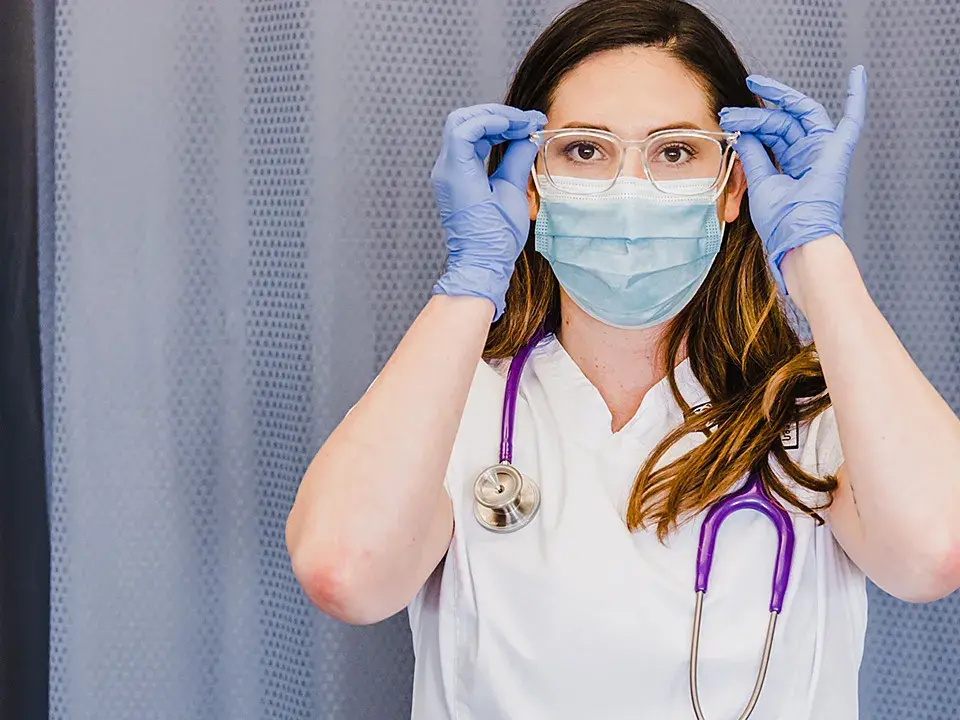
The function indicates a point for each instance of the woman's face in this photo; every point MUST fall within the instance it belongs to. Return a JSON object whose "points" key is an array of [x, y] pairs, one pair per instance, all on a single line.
{"points": [[633, 92]]}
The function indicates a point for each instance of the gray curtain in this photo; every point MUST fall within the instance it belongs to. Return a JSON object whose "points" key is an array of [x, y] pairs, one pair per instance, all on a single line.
{"points": [[236, 229]]}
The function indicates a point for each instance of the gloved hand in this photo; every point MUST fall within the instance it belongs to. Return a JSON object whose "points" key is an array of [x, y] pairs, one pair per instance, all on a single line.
{"points": [[486, 219], [805, 201]]}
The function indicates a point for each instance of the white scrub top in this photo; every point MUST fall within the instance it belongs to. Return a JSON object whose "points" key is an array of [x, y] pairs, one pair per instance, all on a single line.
{"points": [[575, 618]]}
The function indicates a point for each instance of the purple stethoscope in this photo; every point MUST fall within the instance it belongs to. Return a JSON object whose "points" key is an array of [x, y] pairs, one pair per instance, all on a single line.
{"points": [[506, 501]]}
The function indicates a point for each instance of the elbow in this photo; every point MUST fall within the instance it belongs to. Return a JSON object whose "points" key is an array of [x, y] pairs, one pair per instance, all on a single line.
{"points": [[946, 572], [943, 559], [333, 584], [333, 578], [330, 589], [935, 572]]}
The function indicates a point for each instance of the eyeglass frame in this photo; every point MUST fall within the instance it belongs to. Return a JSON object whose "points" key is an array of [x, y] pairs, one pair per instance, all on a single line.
{"points": [[543, 137]]}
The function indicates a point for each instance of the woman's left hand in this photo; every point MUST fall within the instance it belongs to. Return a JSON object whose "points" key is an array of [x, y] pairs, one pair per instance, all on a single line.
{"points": [[804, 202]]}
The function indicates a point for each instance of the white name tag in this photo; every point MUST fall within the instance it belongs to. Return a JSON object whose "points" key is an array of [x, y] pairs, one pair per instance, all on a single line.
{"points": [[790, 436], [700, 408], [697, 409]]}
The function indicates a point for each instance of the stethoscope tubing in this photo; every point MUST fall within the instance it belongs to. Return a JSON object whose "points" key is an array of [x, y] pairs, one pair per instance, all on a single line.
{"points": [[512, 513]]}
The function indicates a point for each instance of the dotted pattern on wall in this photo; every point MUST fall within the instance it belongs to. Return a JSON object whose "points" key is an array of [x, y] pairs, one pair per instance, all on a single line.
{"points": [[278, 138], [524, 21], [407, 65], [147, 479], [60, 585], [911, 263], [799, 43], [191, 352]]}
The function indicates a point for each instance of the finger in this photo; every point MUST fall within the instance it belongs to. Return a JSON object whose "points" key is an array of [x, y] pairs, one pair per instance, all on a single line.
{"points": [[517, 162], [762, 121], [482, 148], [488, 129], [522, 132], [757, 165], [460, 116], [781, 149], [856, 108], [810, 113]]}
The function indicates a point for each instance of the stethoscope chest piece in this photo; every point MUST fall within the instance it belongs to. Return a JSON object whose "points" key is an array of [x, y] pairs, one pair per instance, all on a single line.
{"points": [[505, 500]]}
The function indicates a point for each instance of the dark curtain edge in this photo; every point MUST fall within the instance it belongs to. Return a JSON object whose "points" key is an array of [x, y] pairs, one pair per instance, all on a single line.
{"points": [[24, 524]]}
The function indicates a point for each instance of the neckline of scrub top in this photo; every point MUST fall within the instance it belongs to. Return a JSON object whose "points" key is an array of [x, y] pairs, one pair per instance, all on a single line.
{"points": [[571, 393]]}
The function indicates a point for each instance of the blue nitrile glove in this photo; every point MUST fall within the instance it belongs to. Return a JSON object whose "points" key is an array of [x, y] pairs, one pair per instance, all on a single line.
{"points": [[486, 219], [805, 201]]}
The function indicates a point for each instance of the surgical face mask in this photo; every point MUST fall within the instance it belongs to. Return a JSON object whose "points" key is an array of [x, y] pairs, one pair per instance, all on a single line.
{"points": [[632, 256]]}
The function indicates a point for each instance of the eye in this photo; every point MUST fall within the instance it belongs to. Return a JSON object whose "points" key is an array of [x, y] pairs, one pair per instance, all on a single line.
{"points": [[675, 154], [581, 151]]}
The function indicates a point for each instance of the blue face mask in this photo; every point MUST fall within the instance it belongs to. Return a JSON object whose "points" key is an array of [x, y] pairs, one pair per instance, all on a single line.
{"points": [[631, 256]]}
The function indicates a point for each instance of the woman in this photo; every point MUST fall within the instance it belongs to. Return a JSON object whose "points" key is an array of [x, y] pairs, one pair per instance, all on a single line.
{"points": [[667, 377]]}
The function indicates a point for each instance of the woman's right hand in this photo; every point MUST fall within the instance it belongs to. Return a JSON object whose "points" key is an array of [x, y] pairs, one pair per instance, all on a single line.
{"points": [[486, 219]]}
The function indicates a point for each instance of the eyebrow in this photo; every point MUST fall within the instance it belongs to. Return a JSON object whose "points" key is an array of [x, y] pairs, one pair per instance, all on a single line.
{"points": [[604, 128]]}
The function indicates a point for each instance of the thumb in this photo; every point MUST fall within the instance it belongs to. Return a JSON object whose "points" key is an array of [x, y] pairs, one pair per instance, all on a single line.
{"points": [[517, 162], [856, 109], [753, 156]]}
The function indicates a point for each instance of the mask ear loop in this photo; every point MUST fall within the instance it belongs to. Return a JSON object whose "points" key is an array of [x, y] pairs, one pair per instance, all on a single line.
{"points": [[536, 180]]}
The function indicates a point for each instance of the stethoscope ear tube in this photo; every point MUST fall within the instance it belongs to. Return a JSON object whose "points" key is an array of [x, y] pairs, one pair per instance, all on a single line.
{"points": [[694, 661], [752, 496]]}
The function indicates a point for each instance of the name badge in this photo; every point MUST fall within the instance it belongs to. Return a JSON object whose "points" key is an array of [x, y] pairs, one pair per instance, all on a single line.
{"points": [[697, 409], [790, 437]]}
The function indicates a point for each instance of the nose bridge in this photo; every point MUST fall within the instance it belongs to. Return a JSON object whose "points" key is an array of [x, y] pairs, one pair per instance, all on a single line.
{"points": [[633, 161]]}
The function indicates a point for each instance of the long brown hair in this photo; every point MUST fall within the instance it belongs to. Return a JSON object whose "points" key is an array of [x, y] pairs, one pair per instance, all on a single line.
{"points": [[742, 349]]}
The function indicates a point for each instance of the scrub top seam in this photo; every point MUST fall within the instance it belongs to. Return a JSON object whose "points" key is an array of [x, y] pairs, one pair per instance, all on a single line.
{"points": [[456, 629]]}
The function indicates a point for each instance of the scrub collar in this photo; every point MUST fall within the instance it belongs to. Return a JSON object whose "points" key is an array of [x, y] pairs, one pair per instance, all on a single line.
{"points": [[580, 406]]}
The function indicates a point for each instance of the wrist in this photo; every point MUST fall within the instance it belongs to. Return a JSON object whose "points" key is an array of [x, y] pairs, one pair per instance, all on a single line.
{"points": [[470, 307], [812, 262], [476, 281]]}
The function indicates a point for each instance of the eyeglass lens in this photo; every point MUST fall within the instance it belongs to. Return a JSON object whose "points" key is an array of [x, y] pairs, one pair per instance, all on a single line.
{"points": [[669, 158]]}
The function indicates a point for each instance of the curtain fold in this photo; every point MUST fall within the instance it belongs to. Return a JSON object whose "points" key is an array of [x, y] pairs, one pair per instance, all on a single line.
{"points": [[24, 538]]}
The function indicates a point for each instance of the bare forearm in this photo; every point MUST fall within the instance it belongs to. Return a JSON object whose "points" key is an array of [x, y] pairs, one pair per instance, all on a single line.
{"points": [[901, 440], [368, 497]]}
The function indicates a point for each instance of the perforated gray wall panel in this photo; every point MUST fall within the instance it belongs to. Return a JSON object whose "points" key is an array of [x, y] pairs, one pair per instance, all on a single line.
{"points": [[244, 229], [911, 262]]}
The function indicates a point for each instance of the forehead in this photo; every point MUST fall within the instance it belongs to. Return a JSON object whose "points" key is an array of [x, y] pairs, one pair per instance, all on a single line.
{"points": [[631, 91]]}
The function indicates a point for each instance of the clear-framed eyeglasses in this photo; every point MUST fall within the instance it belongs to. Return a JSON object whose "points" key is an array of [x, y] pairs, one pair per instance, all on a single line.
{"points": [[676, 162]]}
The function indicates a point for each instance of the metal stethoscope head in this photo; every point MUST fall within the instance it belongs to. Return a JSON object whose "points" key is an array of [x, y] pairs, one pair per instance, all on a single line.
{"points": [[505, 500]]}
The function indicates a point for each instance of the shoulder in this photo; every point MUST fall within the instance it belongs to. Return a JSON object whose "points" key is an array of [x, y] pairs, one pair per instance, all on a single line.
{"points": [[823, 443], [486, 392]]}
